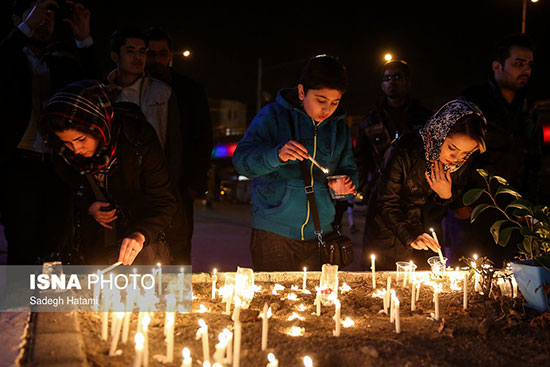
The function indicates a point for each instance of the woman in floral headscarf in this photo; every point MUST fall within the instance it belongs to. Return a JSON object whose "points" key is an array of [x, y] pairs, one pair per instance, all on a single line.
{"points": [[119, 196], [421, 170]]}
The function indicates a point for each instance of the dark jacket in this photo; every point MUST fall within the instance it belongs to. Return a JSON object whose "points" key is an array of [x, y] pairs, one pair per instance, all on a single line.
{"points": [[278, 194], [396, 207], [138, 184], [16, 84], [376, 132], [514, 138], [192, 139]]}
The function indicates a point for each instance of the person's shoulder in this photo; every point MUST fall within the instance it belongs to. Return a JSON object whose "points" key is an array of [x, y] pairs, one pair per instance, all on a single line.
{"points": [[158, 87], [133, 124]]}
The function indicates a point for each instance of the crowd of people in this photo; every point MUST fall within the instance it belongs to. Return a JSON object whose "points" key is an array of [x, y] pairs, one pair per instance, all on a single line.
{"points": [[105, 168]]}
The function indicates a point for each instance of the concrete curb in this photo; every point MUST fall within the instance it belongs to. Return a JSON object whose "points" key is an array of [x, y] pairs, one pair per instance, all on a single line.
{"points": [[53, 339]]}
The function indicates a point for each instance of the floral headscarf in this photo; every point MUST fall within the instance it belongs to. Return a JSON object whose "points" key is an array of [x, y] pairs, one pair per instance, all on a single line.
{"points": [[85, 105], [438, 126]]}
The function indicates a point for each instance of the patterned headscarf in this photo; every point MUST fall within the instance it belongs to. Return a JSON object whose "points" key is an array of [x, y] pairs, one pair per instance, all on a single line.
{"points": [[438, 126], [86, 106]]}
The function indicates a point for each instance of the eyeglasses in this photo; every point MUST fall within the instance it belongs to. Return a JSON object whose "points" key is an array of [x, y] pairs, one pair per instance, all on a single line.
{"points": [[387, 78]]}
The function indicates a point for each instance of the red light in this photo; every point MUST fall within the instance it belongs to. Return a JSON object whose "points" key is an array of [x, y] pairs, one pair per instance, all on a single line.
{"points": [[546, 134]]}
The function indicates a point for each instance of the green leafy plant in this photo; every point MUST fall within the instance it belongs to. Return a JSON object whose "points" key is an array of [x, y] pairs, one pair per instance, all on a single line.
{"points": [[532, 221]]}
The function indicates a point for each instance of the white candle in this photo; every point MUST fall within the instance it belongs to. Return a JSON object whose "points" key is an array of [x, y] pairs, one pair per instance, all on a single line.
{"points": [[130, 299], [265, 315], [144, 326], [436, 302], [337, 318], [273, 362], [202, 332], [186, 358], [139, 339], [304, 280], [214, 280], [465, 297], [392, 305], [229, 348], [514, 287], [169, 333], [180, 284], [117, 326], [397, 319], [439, 249], [418, 290], [388, 294], [237, 333], [318, 303], [219, 354], [107, 299], [159, 273], [373, 270]]}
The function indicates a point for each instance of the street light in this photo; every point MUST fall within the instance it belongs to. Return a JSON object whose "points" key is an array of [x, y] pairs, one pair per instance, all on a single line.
{"points": [[524, 15], [388, 57], [186, 53]]}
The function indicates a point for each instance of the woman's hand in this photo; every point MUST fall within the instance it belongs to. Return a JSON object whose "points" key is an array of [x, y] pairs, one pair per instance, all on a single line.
{"points": [[292, 151], [102, 217], [425, 242], [440, 181], [342, 186], [130, 248]]}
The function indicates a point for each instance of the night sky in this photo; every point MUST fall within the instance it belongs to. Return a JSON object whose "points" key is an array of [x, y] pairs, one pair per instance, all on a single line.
{"points": [[447, 44]]}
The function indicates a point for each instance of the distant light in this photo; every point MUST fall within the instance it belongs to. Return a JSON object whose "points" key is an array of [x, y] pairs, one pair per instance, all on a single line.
{"points": [[546, 134], [388, 57], [186, 53], [534, 1]]}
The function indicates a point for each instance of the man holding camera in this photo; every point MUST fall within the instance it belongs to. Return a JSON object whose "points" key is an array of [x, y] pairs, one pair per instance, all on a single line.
{"points": [[32, 68]]}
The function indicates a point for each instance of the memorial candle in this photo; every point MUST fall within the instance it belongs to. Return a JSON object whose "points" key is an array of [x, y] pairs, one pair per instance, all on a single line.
{"points": [[139, 339], [180, 284], [144, 327], [337, 318], [413, 297], [186, 358], [465, 296], [388, 294], [265, 315], [237, 333], [304, 280], [214, 280], [439, 248], [436, 302], [117, 326], [169, 326], [202, 332], [373, 270], [397, 318], [219, 354]]}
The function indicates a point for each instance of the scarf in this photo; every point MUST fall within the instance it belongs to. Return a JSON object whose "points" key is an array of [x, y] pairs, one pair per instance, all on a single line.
{"points": [[437, 128], [86, 106]]}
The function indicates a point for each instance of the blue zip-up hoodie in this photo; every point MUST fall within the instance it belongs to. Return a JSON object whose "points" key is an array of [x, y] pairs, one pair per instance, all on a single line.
{"points": [[278, 195]]}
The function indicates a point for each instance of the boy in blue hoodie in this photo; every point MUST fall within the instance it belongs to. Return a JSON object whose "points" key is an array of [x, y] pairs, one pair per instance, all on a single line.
{"points": [[283, 236]]}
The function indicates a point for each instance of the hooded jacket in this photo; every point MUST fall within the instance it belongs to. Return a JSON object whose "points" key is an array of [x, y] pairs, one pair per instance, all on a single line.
{"points": [[279, 200]]}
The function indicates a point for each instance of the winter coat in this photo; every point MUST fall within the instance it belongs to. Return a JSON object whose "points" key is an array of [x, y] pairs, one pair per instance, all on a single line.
{"points": [[279, 200]]}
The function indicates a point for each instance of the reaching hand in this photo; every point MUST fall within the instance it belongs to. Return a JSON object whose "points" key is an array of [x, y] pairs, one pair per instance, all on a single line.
{"points": [[292, 151], [440, 180], [80, 21], [425, 242], [130, 248], [102, 217]]}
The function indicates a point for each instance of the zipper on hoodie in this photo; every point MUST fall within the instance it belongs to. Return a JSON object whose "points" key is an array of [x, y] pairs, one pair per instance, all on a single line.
{"points": [[315, 131]]}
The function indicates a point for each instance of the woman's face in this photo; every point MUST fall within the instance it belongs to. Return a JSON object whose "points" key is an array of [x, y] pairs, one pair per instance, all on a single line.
{"points": [[456, 147], [319, 104], [80, 143]]}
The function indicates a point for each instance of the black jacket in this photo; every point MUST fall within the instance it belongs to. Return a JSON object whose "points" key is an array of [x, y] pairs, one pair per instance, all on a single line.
{"points": [[395, 212], [138, 185], [16, 84]]}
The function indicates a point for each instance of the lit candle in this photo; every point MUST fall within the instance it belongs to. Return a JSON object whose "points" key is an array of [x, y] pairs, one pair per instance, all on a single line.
{"points": [[439, 249], [180, 284], [308, 362], [214, 280], [237, 333], [169, 322], [392, 305], [388, 294], [273, 362], [130, 299], [373, 270], [337, 318], [219, 354], [397, 319], [265, 315], [144, 326], [117, 326], [186, 355], [229, 348], [139, 339], [203, 332], [418, 290], [304, 280], [465, 286], [317, 303], [436, 302], [413, 298]]}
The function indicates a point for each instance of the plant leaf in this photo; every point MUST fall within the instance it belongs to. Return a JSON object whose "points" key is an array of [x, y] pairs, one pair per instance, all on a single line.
{"points": [[527, 232], [495, 229], [520, 213], [544, 260], [477, 211], [482, 172], [506, 189], [471, 196], [505, 235], [521, 204], [500, 180]]}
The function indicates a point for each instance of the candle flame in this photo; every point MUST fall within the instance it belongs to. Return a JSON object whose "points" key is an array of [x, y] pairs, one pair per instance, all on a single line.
{"points": [[296, 331], [140, 340], [347, 322], [202, 324], [308, 362], [145, 321], [185, 353], [271, 357], [202, 309], [345, 288], [301, 307], [295, 316]]}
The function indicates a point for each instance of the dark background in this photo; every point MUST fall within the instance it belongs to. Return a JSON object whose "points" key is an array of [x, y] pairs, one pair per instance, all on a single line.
{"points": [[447, 44]]}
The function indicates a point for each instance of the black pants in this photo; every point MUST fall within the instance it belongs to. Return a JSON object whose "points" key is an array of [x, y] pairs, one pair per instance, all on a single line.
{"points": [[272, 252]]}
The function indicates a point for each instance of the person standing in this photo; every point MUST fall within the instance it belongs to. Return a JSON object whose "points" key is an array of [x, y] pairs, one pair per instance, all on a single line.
{"points": [[31, 71], [514, 146], [193, 134], [304, 122]]}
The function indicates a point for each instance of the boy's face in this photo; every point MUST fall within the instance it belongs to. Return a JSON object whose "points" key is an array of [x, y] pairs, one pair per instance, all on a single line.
{"points": [[319, 104], [131, 58]]}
